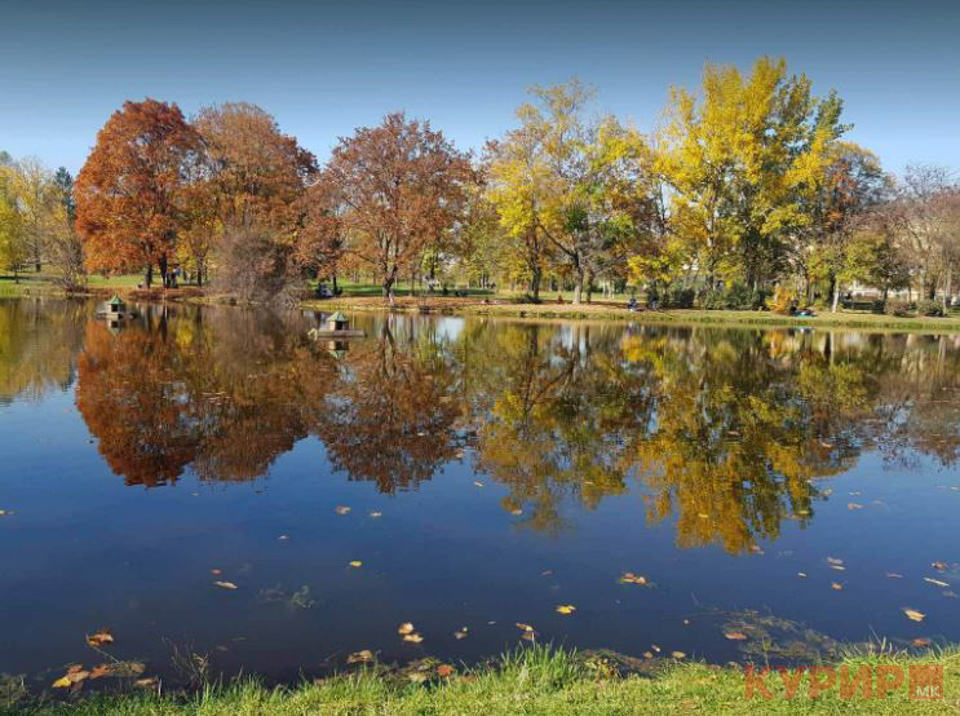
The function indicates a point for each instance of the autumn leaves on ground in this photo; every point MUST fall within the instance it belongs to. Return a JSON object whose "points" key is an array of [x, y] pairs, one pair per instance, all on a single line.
{"points": [[748, 198]]}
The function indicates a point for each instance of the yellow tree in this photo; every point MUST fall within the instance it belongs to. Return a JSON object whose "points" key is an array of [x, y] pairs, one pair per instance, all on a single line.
{"points": [[738, 158]]}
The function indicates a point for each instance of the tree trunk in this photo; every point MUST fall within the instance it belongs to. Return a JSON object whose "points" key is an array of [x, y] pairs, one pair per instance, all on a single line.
{"points": [[589, 287], [535, 285], [388, 281], [578, 288], [836, 296], [148, 276], [333, 280], [948, 290]]}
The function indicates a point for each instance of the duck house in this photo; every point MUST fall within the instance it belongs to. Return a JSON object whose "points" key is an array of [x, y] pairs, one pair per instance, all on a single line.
{"points": [[337, 326], [115, 310]]}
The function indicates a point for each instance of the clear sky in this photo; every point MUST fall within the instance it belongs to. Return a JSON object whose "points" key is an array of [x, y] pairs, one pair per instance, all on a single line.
{"points": [[325, 68]]}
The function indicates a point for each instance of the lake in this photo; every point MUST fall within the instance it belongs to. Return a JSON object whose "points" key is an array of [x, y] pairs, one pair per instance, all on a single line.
{"points": [[729, 494]]}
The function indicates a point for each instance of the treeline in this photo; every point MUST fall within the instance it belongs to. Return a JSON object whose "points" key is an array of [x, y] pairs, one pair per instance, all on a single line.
{"points": [[746, 196]]}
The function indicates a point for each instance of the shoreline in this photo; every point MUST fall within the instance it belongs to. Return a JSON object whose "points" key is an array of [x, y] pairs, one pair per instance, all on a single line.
{"points": [[545, 680], [605, 311]]}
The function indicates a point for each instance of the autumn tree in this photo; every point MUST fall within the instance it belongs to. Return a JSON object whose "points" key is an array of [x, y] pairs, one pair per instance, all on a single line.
{"points": [[738, 158], [129, 192], [321, 241], [12, 246], [401, 185], [254, 172]]}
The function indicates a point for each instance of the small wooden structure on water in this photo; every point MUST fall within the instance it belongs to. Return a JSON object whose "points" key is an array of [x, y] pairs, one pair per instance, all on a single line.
{"points": [[115, 310], [337, 326]]}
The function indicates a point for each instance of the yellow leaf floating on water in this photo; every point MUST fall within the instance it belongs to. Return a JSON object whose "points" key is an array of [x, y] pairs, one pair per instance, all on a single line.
{"points": [[566, 609], [356, 563], [225, 585], [342, 509], [854, 506], [735, 635], [63, 682], [376, 514], [648, 655], [631, 578], [677, 654], [462, 634], [836, 585], [405, 628], [914, 616], [921, 642], [100, 638], [414, 637], [524, 627], [360, 657]]}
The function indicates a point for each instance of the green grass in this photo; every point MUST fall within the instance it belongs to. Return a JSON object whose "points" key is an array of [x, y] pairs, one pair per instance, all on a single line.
{"points": [[536, 680]]}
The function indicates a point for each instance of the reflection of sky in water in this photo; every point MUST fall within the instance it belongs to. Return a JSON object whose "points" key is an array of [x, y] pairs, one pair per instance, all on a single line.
{"points": [[718, 464]]}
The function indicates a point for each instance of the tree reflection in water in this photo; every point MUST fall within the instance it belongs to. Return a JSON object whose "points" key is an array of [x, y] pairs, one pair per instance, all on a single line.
{"points": [[726, 432]]}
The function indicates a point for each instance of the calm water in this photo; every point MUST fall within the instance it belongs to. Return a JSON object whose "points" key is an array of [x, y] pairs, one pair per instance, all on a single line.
{"points": [[515, 467]]}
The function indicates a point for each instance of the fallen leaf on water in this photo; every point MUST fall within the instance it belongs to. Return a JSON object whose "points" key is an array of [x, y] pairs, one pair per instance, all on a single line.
{"points": [[100, 638], [894, 575], [6, 513], [415, 638], [648, 655], [342, 509], [478, 483], [546, 573], [225, 585], [802, 574], [516, 513], [417, 677], [677, 654], [462, 634], [566, 609], [834, 560], [216, 572], [936, 582], [920, 641], [148, 683], [524, 627], [914, 616], [939, 566], [735, 635], [99, 672], [376, 514], [63, 682], [836, 585], [686, 622], [631, 578], [360, 657], [854, 506], [405, 628], [356, 563], [444, 670], [283, 538], [655, 648], [529, 635], [838, 567]]}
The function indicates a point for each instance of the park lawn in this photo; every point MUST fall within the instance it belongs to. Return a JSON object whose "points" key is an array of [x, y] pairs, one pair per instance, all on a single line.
{"points": [[536, 680]]}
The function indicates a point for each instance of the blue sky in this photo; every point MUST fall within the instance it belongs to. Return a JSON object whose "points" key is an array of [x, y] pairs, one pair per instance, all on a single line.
{"points": [[325, 68]]}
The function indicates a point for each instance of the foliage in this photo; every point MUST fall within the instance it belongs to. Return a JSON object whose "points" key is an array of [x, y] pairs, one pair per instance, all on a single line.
{"points": [[930, 307], [896, 307], [735, 297], [129, 192], [255, 265], [401, 184], [783, 301]]}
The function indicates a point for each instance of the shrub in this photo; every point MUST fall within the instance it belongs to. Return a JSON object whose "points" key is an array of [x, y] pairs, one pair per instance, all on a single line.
{"points": [[255, 266], [879, 306], [737, 298], [896, 307], [783, 301], [930, 307], [678, 297]]}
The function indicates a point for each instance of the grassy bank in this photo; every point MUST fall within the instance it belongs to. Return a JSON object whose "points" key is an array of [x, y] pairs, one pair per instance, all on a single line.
{"points": [[535, 681], [363, 297], [603, 311]]}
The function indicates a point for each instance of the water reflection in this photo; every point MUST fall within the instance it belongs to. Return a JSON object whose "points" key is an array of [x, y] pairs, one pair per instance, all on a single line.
{"points": [[727, 433]]}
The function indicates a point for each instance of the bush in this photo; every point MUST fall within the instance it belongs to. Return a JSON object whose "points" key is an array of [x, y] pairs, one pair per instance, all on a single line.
{"points": [[896, 307], [879, 306], [735, 298], [678, 297], [930, 307], [783, 301], [255, 266]]}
